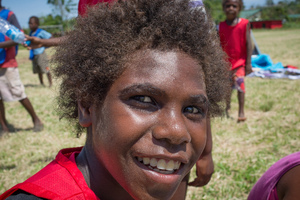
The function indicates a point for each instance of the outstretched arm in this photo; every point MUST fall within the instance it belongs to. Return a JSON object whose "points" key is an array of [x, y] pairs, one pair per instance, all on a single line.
{"points": [[7, 44], [205, 164], [38, 42]]}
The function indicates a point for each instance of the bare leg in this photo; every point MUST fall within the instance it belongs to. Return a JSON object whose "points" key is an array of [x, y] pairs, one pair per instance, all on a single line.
{"points": [[2, 117], [182, 189], [49, 78], [38, 125], [241, 99], [228, 101], [41, 78]]}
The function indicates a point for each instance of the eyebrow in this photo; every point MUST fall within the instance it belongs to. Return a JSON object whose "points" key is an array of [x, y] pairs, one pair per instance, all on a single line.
{"points": [[201, 98], [145, 87]]}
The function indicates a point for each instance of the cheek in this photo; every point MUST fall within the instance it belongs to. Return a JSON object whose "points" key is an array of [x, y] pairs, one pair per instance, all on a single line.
{"points": [[121, 124], [199, 137]]}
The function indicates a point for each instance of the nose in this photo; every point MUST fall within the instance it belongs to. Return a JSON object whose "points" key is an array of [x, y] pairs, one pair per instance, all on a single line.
{"points": [[172, 128]]}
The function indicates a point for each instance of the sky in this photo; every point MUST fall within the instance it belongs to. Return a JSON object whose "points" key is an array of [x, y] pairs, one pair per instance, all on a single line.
{"points": [[26, 8]]}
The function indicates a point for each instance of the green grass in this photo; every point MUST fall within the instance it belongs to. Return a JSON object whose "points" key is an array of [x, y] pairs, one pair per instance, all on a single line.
{"points": [[242, 151]]}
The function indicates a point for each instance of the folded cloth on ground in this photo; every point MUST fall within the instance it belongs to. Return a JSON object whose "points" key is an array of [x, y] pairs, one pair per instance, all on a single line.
{"points": [[264, 62], [277, 73]]}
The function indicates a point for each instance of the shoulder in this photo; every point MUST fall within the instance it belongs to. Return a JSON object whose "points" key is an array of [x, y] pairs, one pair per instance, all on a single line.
{"points": [[276, 173], [222, 25], [244, 21], [289, 184], [44, 34]]}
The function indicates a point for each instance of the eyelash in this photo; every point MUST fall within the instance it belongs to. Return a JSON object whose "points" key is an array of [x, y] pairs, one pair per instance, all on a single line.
{"points": [[143, 99], [140, 97]]}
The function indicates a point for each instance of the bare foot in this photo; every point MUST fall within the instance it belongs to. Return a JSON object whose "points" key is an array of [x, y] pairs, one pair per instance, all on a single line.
{"points": [[38, 126], [241, 119]]}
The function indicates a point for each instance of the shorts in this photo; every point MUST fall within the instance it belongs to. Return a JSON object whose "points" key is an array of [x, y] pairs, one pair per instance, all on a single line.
{"points": [[40, 64], [11, 87], [238, 79]]}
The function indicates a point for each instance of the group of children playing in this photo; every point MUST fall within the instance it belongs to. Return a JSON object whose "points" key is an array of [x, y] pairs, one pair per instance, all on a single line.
{"points": [[122, 81]]}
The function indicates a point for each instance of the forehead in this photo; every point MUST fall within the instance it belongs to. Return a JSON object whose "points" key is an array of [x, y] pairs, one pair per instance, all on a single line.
{"points": [[32, 20], [158, 67]]}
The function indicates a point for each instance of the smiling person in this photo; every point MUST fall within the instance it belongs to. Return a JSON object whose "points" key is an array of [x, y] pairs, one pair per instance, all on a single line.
{"points": [[204, 166], [142, 79]]}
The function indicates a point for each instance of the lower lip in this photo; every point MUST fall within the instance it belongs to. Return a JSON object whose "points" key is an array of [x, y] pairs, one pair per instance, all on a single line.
{"points": [[158, 177]]}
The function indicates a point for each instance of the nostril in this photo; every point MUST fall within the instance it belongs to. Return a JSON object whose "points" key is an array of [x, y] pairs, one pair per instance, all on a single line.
{"points": [[173, 134]]}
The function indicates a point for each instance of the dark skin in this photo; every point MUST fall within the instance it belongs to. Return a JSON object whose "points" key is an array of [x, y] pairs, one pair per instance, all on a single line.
{"points": [[33, 25], [232, 9], [289, 184], [38, 42], [204, 166], [170, 129]]}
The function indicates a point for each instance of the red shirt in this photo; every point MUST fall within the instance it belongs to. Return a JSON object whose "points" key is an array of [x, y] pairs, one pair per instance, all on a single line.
{"points": [[84, 3], [10, 59], [233, 41], [60, 179]]}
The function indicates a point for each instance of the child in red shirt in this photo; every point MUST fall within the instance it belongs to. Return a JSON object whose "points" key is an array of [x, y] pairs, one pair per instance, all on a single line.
{"points": [[236, 42]]}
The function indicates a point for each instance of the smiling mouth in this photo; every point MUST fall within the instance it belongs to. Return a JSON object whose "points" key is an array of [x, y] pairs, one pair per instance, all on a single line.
{"points": [[160, 165]]}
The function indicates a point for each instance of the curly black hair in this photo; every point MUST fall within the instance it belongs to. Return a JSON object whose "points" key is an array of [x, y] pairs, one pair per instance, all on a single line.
{"points": [[241, 4], [94, 54], [36, 19]]}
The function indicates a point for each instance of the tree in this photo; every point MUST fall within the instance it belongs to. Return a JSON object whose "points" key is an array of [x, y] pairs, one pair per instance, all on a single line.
{"points": [[269, 3], [214, 8], [63, 7]]}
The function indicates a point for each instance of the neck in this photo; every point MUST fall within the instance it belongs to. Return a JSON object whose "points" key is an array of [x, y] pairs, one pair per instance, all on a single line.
{"points": [[233, 21]]}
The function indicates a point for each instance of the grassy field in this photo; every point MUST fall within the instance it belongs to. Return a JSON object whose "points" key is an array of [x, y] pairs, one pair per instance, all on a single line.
{"points": [[242, 152]]}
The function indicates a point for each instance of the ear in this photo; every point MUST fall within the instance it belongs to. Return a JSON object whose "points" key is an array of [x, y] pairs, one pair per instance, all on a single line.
{"points": [[84, 115]]}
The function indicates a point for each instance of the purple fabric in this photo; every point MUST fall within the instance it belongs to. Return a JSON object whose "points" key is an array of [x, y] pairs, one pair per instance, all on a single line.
{"points": [[263, 188], [196, 3]]}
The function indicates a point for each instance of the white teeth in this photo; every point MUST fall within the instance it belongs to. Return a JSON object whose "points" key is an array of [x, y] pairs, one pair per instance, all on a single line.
{"points": [[170, 165], [153, 162], [160, 165], [177, 165], [146, 161]]}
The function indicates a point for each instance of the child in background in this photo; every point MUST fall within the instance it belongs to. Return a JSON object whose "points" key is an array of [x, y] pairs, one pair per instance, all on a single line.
{"points": [[38, 56], [280, 181], [143, 86], [236, 42], [11, 86]]}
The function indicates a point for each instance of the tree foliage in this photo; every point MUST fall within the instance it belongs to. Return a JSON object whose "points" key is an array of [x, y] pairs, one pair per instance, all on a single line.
{"points": [[63, 7], [281, 11], [214, 8]]}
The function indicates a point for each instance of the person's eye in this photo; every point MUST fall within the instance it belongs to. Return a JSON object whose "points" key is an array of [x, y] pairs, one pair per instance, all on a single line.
{"points": [[192, 110], [143, 99]]}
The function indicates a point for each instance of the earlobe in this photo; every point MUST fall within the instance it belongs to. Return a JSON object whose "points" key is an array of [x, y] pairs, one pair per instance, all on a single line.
{"points": [[84, 115]]}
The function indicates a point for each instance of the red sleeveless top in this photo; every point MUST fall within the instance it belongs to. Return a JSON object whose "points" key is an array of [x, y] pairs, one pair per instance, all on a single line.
{"points": [[233, 41], [60, 179]]}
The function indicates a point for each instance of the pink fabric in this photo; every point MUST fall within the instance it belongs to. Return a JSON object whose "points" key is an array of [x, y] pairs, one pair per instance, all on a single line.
{"points": [[265, 188], [273, 194]]}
